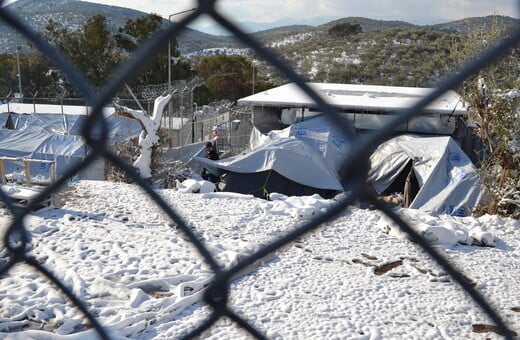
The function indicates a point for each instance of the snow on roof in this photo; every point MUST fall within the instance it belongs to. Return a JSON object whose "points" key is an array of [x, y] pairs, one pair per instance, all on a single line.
{"points": [[26, 108], [356, 97]]}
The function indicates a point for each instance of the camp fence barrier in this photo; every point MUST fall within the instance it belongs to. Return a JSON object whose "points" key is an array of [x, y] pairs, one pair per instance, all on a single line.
{"points": [[233, 128], [27, 181], [354, 173], [27, 170]]}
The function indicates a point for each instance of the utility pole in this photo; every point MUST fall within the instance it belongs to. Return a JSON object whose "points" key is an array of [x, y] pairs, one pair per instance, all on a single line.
{"points": [[170, 109], [253, 66], [19, 74]]}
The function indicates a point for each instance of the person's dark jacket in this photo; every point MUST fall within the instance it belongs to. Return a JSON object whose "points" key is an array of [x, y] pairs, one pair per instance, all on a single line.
{"points": [[212, 154]]}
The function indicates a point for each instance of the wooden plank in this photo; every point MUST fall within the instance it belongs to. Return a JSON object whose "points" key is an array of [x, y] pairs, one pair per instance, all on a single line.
{"points": [[27, 169], [27, 166], [3, 179], [24, 195]]}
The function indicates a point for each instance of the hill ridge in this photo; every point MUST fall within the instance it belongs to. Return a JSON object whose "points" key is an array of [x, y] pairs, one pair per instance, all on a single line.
{"points": [[74, 13]]}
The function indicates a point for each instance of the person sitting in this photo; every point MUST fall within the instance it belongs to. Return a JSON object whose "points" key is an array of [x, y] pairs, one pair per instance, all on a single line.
{"points": [[211, 153]]}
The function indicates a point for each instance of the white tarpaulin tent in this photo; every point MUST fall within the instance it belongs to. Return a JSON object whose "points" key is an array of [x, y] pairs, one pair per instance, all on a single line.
{"points": [[309, 154], [316, 132], [301, 159], [55, 137], [120, 128], [447, 181], [38, 144]]}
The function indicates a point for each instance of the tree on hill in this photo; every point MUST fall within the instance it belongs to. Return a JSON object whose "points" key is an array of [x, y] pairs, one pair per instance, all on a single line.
{"points": [[96, 52], [91, 48], [39, 77], [137, 31], [226, 77], [345, 29], [8, 70]]}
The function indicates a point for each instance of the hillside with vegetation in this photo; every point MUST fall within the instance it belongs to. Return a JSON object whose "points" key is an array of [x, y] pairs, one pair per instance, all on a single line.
{"points": [[74, 14], [360, 50]]}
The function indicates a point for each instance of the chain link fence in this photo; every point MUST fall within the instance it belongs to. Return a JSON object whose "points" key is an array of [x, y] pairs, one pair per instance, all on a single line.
{"points": [[354, 173]]}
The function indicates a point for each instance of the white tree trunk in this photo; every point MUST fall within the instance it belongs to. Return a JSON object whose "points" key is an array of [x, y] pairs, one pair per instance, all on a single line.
{"points": [[148, 137]]}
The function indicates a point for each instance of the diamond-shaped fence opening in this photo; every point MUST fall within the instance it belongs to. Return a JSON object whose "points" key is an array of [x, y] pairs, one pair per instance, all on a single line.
{"points": [[354, 171]]}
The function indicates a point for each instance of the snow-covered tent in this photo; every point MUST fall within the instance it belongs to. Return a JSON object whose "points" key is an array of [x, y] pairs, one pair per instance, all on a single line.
{"points": [[120, 128], [438, 175], [302, 159], [55, 137], [432, 172], [37, 144]]}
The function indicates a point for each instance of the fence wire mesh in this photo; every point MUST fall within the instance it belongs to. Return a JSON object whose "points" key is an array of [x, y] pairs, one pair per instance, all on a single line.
{"points": [[354, 173]]}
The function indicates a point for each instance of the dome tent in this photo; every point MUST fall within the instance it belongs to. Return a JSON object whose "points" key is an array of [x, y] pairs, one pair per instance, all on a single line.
{"points": [[445, 178], [302, 159]]}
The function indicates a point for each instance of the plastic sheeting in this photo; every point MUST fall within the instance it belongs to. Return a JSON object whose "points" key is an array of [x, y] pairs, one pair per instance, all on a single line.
{"points": [[448, 180], [308, 153], [38, 144], [120, 128], [55, 137], [311, 153]]}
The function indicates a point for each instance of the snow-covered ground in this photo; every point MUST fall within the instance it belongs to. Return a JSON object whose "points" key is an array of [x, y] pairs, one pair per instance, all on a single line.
{"points": [[291, 40], [354, 278], [220, 50]]}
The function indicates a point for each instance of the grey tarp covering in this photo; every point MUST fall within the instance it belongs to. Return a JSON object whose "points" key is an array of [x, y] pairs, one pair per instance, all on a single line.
{"points": [[290, 157], [120, 128], [308, 153], [317, 132], [448, 181], [311, 153], [38, 144], [54, 137], [185, 153]]}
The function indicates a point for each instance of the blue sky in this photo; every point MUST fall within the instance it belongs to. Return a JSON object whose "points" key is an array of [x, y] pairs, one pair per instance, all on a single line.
{"points": [[304, 11]]}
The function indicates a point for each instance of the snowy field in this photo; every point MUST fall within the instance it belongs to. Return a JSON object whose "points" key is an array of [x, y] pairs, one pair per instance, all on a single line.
{"points": [[354, 278]]}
